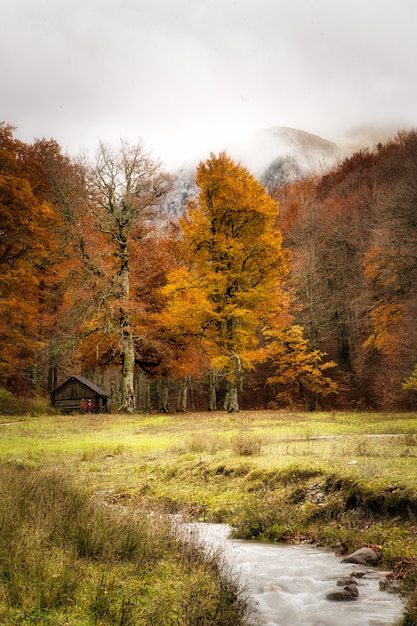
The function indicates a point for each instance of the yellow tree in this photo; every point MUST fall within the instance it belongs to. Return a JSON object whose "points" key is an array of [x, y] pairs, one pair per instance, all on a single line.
{"points": [[227, 285], [410, 384], [298, 370]]}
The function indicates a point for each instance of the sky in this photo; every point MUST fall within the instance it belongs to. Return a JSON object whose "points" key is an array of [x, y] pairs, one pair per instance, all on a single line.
{"points": [[188, 77]]}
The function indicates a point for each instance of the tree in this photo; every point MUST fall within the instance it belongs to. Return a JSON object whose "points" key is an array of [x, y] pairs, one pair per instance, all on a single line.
{"points": [[228, 284], [59, 181], [352, 237], [113, 238], [410, 384], [299, 371], [390, 267], [27, 222]]}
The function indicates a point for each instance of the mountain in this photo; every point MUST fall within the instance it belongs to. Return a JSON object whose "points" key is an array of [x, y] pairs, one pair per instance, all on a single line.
{"points": [[280, 154], [276, 156]]}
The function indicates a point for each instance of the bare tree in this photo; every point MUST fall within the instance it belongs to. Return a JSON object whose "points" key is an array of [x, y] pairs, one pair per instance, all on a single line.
{"points": [[124, 186]]}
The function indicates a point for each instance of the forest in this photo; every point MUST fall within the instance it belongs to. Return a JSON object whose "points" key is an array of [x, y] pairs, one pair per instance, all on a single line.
{"points": [[302, 295]]}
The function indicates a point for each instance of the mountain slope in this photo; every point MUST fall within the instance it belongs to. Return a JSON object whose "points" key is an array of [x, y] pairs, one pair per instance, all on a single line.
{"points": [[281, 154]]}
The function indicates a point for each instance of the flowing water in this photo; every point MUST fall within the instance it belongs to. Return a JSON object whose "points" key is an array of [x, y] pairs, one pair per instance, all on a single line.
{"points": [[289, 583]]}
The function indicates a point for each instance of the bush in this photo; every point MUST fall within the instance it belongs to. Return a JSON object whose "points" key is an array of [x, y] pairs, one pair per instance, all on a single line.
{"points": [[198, 443], [247, 444], [8, 403], [269, 517], [28, 405]]}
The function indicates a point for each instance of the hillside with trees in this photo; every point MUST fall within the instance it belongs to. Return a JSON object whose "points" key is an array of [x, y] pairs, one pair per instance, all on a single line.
{"points": [[353, 240], [300, 295]]}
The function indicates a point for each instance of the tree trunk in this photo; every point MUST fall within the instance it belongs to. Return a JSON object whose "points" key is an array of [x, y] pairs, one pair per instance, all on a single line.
{"points": [[142, 392], [190, 385], [52, 377], [231, 402], [148, 397], [212, 403], [303, 396], [128, 393], [163, 395], [183, 386]]}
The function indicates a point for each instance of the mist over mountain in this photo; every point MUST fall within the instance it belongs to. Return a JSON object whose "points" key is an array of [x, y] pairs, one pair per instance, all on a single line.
{"points": [[280, 155], [360, 137], [308, 152]]}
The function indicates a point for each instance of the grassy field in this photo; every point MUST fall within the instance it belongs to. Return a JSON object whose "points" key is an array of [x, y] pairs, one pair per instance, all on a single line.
{"points": [[343, 480]]}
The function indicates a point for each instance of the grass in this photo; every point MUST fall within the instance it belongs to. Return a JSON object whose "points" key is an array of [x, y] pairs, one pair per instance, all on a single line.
{"points": [[342, 480], [67, 558]]}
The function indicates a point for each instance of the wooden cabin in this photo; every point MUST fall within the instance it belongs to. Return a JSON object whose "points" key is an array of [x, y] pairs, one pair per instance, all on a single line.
{"points": [[74, 394]]}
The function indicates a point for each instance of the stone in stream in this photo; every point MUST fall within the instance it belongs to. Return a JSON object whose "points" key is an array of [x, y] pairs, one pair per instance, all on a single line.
{"points": [[346, 580], [348, 593], [363, 556]]}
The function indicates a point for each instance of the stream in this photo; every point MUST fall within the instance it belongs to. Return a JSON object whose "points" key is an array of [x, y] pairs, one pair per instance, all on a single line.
{"points": [[288, 584]]}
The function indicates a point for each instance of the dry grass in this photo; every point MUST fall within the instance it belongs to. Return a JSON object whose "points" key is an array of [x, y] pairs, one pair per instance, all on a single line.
{"points": [[256, 470], [66, 557]]}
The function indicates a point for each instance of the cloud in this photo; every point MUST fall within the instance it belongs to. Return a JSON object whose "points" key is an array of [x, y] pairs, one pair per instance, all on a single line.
{"points": [[190, 76]]}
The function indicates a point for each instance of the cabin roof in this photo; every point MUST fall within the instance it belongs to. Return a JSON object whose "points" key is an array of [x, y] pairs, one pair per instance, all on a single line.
{"points": [[87, 383]]}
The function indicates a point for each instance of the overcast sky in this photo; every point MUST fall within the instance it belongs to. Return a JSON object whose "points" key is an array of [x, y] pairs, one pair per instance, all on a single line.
{"points": [[191, 76]]}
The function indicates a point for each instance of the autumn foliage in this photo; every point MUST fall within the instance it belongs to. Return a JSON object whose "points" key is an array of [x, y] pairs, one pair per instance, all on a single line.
{"points": [[27, 258], [228, 282], [353, 237], [304, 296]]}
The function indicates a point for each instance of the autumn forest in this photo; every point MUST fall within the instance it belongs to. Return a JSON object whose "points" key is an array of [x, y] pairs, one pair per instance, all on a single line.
{"points": [[302, 296]]}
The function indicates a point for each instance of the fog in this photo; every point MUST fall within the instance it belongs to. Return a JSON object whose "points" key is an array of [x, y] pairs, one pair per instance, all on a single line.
{"points": [[190, 76]]}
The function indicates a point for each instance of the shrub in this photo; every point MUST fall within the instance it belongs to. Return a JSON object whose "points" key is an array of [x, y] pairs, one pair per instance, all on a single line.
{"points": [[28, 405], [8, 403], [269, 517], [247, 444], [201, 442]]}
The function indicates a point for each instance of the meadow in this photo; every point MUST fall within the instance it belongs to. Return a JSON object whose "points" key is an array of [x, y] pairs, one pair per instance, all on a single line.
{"points": [[86, 538]]}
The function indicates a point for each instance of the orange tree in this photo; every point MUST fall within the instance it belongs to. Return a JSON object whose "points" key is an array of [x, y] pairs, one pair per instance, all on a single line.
{"points": [[227, 287], [114, 239], [60, 182], [27, 223]]}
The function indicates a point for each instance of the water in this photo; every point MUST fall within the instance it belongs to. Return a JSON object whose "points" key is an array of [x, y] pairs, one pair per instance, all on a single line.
{"points": [[289, 583]]}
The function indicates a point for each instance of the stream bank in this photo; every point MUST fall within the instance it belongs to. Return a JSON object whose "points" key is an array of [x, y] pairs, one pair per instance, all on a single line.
{"points": [[289, 585]]}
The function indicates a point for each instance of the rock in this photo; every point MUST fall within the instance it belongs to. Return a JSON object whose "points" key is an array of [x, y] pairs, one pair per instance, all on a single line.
{"points": [[363, 556], [315, 495], [389, 585], [272, 587], [346, 580], [348, 593]]}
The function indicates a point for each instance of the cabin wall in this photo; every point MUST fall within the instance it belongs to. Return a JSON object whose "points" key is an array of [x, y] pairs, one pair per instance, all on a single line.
{"points": [[68, 398], [72, 390]]}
